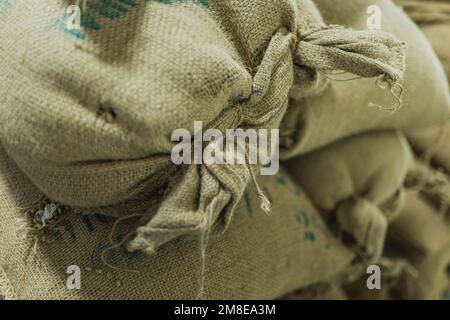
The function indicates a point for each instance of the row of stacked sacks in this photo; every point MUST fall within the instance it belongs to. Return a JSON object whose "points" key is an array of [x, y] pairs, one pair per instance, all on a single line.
{"points": [[433, 260], [415, 261], [415, 256], [419, 238], [349, 103]]}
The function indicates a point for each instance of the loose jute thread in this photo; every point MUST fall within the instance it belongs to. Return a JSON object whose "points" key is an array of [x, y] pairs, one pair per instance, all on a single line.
{"points": [[119, 244], [265, 203], [395, 88], [203, 245]]}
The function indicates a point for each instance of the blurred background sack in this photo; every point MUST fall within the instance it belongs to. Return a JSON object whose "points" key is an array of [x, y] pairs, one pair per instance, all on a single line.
{"points": [[360, 181]]}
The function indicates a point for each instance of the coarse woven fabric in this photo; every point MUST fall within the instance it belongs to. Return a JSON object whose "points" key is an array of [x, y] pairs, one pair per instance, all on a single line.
{"points": [[342, 110], [422, 236], [88, 114], [260, 257], [360, 180]]}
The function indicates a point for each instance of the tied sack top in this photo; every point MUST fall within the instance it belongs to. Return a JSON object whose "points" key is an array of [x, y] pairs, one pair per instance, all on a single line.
{"points": [[152, 68]]}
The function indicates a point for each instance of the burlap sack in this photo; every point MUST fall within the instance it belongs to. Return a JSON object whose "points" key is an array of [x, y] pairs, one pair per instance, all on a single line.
{"points": [[434, 20], [88, 114], [421, 235], [343, 109], [360, 179], [260, 257]]}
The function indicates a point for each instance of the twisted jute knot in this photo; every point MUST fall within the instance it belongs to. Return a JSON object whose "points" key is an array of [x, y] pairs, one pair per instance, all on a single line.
{"points": [[365, 53]]}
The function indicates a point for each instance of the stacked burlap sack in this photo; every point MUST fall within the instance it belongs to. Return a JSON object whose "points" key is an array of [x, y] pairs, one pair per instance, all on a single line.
{"points": [[420, 235], [360, 181], [86, 125], [417, 257]]}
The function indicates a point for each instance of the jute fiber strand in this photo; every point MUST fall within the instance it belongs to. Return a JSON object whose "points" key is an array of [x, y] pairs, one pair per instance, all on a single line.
{"points": [[342, 110], [260, 257], [88, 114], [360, 180], [423, 237]]}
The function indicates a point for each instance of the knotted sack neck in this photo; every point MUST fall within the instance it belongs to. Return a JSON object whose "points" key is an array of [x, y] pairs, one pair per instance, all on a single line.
{"points": [[321, 49], [364, 53]]}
